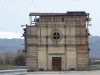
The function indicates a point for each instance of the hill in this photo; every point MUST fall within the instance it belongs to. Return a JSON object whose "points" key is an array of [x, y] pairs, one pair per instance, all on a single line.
{"points": [[94, 46], [11, 45]]}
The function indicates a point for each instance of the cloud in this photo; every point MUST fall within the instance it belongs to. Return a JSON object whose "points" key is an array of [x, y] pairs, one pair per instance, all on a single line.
{"points": [[10, 35]]}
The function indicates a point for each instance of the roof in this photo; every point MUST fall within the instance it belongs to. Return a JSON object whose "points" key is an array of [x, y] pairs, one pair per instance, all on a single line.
{"points": [[59, 14]]}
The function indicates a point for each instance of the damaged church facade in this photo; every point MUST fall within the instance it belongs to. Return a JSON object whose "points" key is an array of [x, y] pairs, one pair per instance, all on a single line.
{"points": [[57, 41]]}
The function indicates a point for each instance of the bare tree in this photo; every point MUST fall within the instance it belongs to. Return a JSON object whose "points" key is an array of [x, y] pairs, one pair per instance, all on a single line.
{"points": [[20, 58], [17, 58], [8, 57]]}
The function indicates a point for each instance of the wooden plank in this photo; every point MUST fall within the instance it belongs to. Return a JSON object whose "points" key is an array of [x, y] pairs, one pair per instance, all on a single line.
{"points": [[82, 55], [82, 51], [82, 61], [32, 27], [82, 47], [28, 61], [31, 54], [84, 39], [86, 67], [32, 63], [32, 51], [32, 47], [31, 30], [86, 59], [82, 65], [31, 39], [31, 60]]}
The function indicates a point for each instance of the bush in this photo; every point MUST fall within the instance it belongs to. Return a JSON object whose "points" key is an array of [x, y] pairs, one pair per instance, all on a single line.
{"points": [[19, 60]]}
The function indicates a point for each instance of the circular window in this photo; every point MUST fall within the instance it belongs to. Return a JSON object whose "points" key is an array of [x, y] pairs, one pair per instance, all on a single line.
{"points": [[56, 35]]}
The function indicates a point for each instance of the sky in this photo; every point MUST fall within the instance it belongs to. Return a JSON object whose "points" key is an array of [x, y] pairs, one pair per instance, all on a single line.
{"points": [[14, 13]]}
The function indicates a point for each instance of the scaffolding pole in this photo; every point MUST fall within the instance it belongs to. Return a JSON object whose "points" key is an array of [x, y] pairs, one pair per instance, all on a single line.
{"points": [[81, 30]]}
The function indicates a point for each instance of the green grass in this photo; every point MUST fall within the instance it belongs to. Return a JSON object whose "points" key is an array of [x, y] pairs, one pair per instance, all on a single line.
{"points": [[30, 71], [6, 66]]}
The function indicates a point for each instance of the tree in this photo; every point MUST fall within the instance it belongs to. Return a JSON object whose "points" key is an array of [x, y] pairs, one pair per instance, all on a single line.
{"points": [[1, 61], [19, 60], [8, 57]]}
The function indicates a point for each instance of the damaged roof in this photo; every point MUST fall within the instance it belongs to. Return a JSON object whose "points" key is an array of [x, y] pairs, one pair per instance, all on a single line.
{"points": [[56, 14]]}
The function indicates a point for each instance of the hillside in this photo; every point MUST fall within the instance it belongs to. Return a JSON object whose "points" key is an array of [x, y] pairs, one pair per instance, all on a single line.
{"points": [[94, 46], [11, 45], [15, 44]]}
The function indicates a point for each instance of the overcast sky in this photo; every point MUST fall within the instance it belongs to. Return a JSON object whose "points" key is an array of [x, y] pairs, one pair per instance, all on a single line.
{"points": [[14, 13]]}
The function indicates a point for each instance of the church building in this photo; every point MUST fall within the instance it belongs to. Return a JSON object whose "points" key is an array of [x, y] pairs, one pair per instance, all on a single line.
{"points": [[57, 41]]}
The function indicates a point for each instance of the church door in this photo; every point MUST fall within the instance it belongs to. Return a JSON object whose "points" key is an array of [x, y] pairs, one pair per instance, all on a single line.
{"points": [[56, 63]]}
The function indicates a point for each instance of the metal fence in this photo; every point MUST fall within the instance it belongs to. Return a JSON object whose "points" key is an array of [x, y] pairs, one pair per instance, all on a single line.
{"points": [[13, 72], [94, 67], [13, 67]]}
